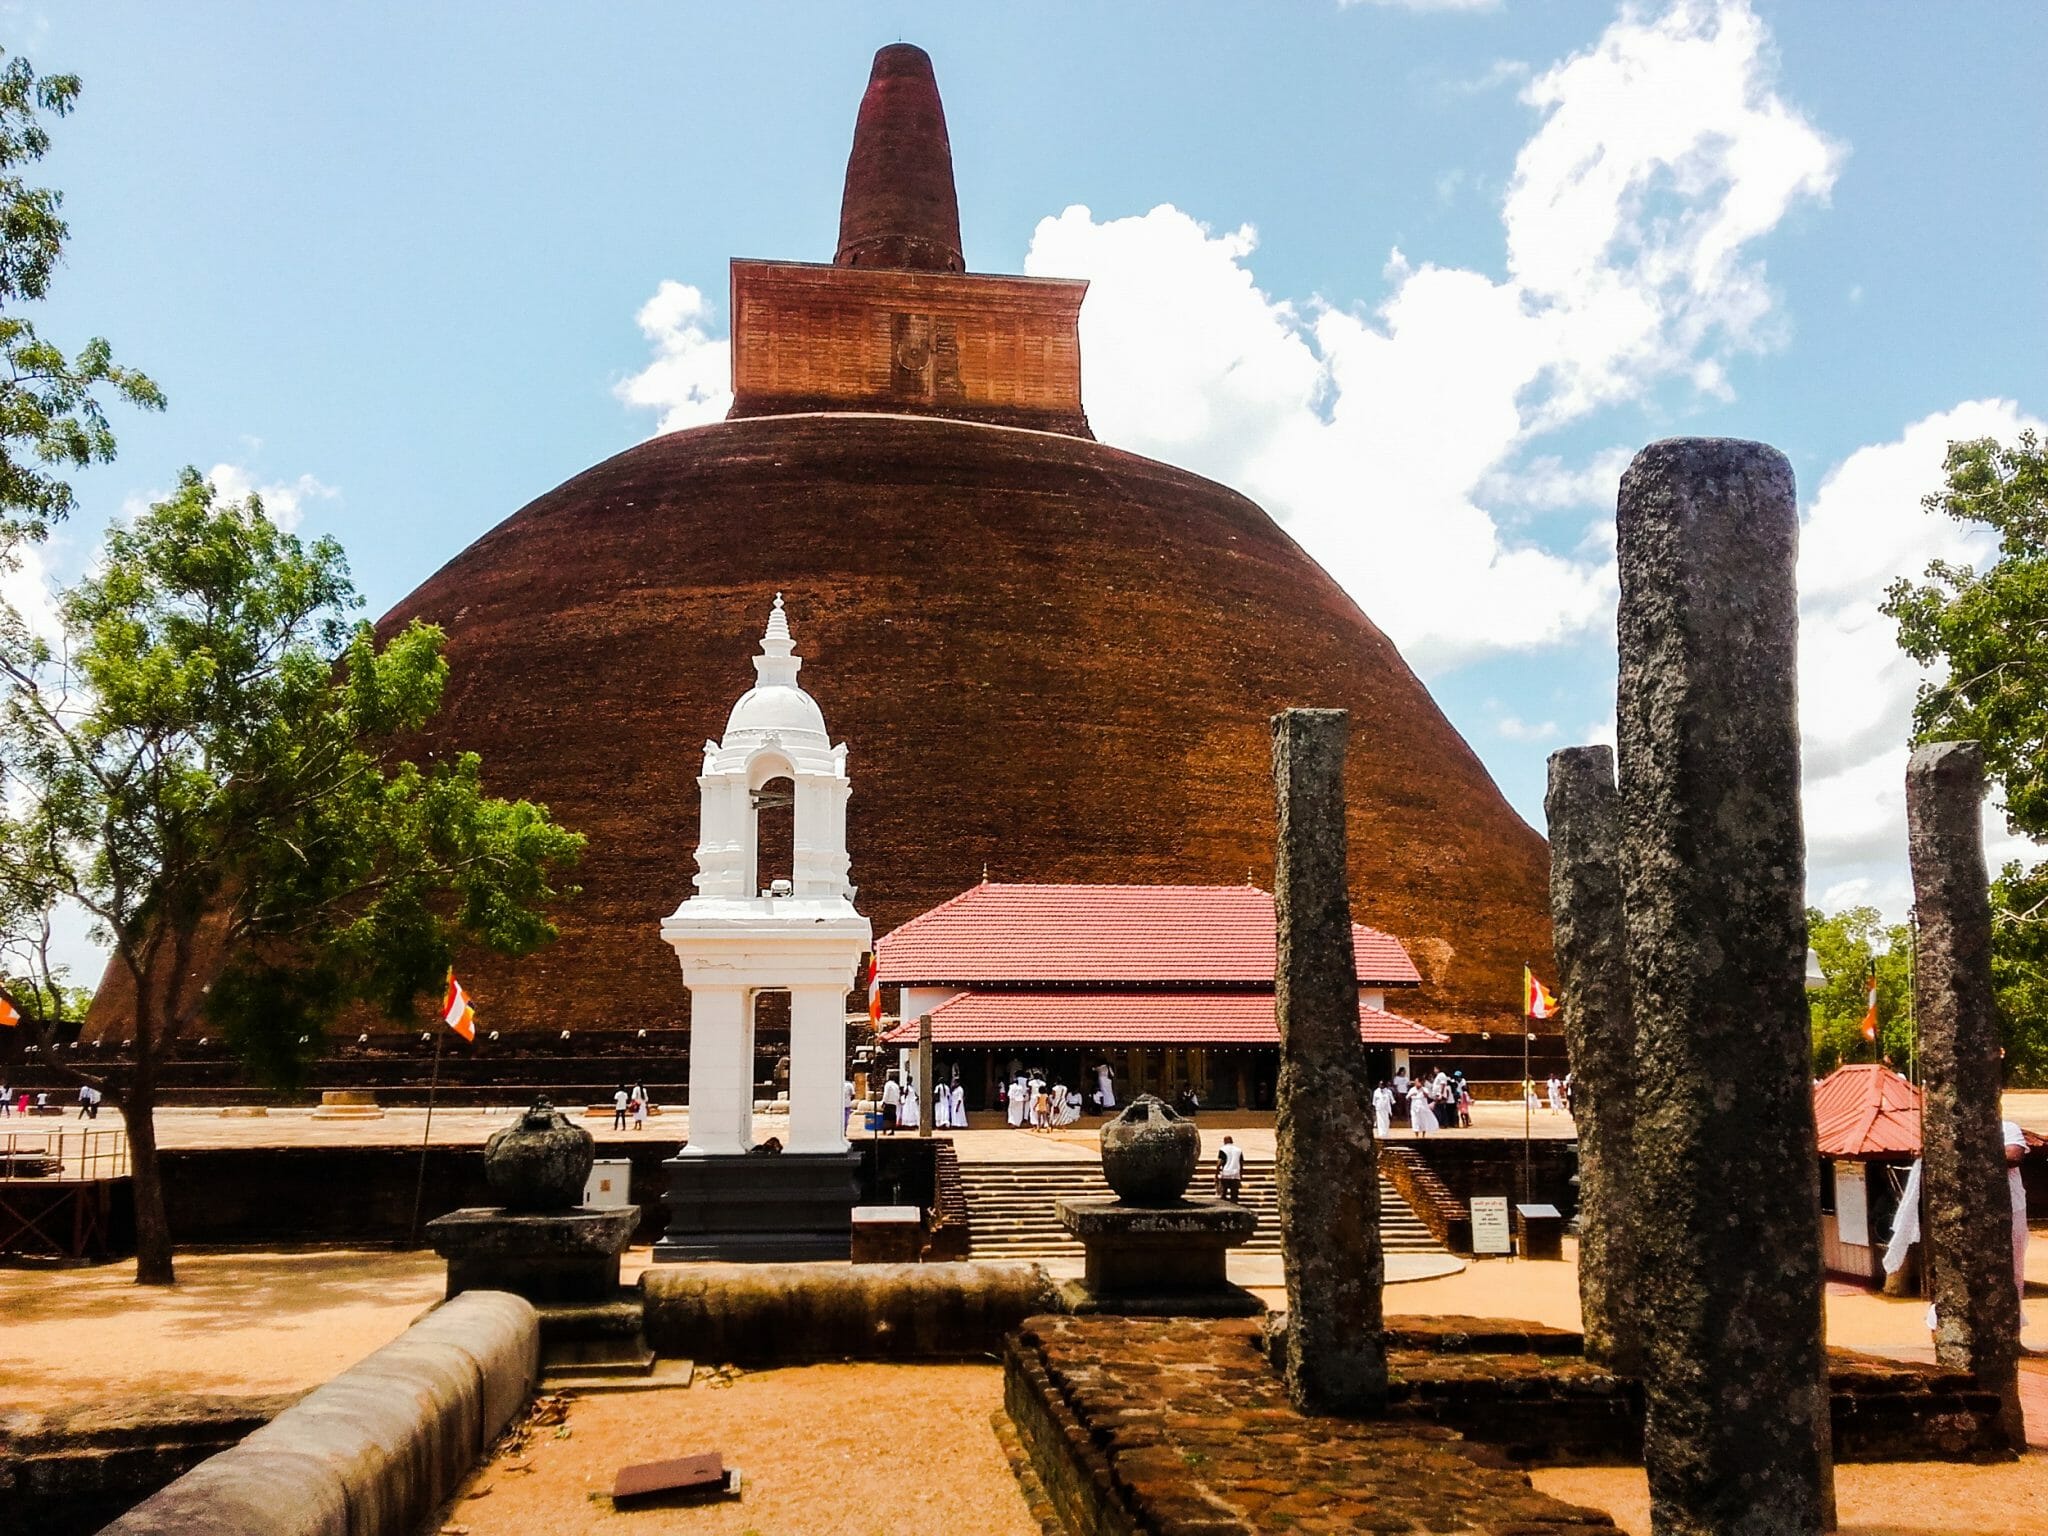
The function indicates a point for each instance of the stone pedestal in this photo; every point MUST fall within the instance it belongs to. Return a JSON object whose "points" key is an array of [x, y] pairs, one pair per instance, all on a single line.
{"points": [[1158, 1261], [348, 1104], [559, 1256], [782, 1207]]}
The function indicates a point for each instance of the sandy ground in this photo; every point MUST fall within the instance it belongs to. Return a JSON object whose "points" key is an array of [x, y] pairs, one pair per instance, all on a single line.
{"points": [[1907, 1498], [236, 1323], [824, 1450]]}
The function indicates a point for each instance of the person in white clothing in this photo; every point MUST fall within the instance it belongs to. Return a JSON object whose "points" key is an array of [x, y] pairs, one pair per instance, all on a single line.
{"points": [[957, 1098], [1017, 1101], [1105, 1086], [892, 1103], [1229, 1171], [639, 1102], [908, 1113], [846, 1114], [2015, 1151], [1556, 1091], [1419, 1116], [1382, 1110]]}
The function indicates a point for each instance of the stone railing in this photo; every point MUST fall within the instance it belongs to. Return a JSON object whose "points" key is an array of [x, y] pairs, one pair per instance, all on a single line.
{"points": [[1448, 1218], [947, 1239], [374, 1451]]}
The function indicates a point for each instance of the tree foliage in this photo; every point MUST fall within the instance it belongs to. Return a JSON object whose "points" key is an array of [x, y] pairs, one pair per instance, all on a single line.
{"points": [[1850, 946], [209, 761], [52, 412], [1987, 634]]}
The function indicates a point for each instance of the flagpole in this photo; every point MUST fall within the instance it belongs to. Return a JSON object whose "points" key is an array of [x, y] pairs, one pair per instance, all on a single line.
{"points": [[1527, 1128], [419, 1188]]}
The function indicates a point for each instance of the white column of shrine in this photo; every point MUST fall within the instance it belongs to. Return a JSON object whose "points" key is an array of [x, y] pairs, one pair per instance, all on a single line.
{"points": [[736, 939]]}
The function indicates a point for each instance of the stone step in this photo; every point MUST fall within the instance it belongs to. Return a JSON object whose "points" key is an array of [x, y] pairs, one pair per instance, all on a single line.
{"points": [[1012, 1209]]}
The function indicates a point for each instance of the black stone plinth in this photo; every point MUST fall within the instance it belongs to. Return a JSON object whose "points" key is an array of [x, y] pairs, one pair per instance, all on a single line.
{"points": [[776, 1208], [562, 1256], [1158, 1261]]}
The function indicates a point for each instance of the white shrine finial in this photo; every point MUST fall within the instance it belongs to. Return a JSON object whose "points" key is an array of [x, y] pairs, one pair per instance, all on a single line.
{"points": [[778, 663]]}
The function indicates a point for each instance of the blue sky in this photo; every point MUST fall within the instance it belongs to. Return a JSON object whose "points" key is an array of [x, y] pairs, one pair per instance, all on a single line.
{"points": [[406, 265]]}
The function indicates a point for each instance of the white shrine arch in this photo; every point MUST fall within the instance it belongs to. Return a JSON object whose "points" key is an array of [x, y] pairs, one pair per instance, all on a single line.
{"points": [[737, 938]]}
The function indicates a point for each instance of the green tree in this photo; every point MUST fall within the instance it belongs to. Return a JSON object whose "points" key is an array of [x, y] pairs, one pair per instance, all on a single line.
{"points": [[210, 761], [1987, 632], [1850, 946], [52, 415]]}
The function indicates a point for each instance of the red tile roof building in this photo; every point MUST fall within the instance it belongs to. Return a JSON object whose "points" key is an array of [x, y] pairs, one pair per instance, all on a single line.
{"points": [[1172, 983], [1867, 1110]]}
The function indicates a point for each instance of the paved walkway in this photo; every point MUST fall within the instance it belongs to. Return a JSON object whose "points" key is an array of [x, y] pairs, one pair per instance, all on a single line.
{"points": [[988, 1137]]}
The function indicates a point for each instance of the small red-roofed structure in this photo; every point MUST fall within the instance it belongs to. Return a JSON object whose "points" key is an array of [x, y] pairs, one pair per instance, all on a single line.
{"points": [[1867, 1120], [1867, 1110], [1172, 985]]}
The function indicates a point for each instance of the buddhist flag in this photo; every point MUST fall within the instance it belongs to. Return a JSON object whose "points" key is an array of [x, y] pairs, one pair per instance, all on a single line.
{"points": [[456, 1010], [9, 1014], [875, 990], [1537, 1002], [1870, 1013]]}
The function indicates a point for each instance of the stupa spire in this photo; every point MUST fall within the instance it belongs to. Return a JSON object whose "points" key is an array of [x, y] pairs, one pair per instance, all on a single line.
{"points": [[778, 663], [900, 209]]}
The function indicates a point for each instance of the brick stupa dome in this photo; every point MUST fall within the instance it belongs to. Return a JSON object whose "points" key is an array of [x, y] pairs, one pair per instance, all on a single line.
{"points": [[1051, 659]]}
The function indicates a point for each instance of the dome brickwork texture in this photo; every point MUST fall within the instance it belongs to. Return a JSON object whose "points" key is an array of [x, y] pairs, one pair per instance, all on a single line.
{"points": [[1048, 657]]}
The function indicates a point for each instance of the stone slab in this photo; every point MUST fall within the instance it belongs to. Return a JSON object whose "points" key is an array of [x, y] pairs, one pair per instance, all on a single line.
{"points": [[780, 1314], [1182, 1428], [562, 1256], [788, 1207]]}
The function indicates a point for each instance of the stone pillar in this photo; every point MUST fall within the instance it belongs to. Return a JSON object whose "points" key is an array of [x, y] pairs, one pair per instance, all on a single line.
{"points": [[1713, 872], [721, 1071], [1583, 810], [1326, 1165], [1968, 1210], [925, 1094], [817, 1069]]}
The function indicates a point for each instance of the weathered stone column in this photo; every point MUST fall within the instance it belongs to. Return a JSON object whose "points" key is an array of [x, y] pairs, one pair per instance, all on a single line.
{"points": [[1325, 1161], [1713, 875], [1583, 810], [926, 1088], [1968, 1211]]}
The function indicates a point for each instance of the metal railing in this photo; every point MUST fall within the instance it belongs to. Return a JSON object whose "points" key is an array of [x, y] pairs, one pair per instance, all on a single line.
{"points": [[61, 1156]]}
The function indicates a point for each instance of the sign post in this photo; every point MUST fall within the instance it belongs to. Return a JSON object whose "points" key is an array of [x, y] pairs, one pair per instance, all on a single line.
{"points": [[1490, 1233]]}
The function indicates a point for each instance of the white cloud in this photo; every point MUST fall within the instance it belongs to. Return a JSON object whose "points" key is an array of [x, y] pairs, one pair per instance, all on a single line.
{"points": [[690, 380], [284, 501], [1387, 441], [27, 587], [1516, 729], [1864, 528]]}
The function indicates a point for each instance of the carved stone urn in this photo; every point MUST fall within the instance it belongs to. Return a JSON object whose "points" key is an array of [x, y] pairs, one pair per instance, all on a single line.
{"points": [[540, 1164], [1149, 1153]]}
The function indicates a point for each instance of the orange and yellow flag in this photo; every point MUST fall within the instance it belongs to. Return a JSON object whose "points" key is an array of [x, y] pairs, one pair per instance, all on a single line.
{"points": [[1537, 1003], [455, 1009]]}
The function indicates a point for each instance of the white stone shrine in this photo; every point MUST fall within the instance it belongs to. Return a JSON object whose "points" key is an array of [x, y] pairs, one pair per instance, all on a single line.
{"points": [[740, 935]]}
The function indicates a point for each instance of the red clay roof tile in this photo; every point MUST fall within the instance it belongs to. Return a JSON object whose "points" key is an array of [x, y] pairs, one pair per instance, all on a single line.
{"points": [[1110, 933], [1132, 1018]]}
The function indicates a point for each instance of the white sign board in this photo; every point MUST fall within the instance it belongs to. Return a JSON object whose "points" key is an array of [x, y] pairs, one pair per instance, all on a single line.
{"points": [[1490, 1232], [1852, 1203]]}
